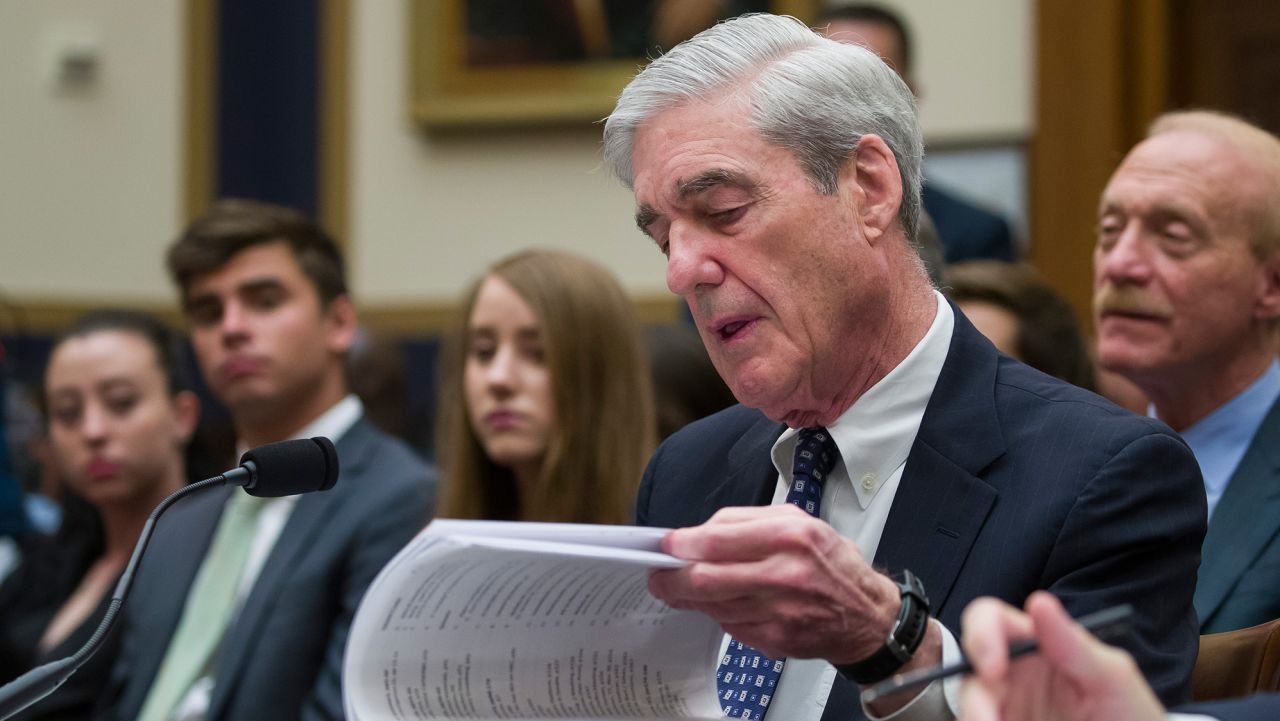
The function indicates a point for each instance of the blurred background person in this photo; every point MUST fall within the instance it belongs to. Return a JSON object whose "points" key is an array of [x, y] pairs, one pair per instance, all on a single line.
{"points": [[686, 386], [967, 231], [119, 415], [546, 412], [1023, 317], [1187, 303], [243, 606]]}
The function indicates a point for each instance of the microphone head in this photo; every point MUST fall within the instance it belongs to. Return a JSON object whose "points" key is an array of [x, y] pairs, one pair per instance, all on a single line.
{"points": [[291, 467]]}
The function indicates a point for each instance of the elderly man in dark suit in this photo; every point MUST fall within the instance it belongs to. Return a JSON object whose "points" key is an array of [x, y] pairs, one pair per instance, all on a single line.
{"points": [[242, 608], [779, 172], [1187, 297]]}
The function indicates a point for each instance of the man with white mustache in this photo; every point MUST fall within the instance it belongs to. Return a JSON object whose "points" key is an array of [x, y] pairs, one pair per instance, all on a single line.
{"points": [[1187, 296]]}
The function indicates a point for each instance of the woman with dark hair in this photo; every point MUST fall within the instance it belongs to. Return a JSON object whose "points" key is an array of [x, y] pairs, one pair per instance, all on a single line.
{"points": [[118, 416], [546, 411]]}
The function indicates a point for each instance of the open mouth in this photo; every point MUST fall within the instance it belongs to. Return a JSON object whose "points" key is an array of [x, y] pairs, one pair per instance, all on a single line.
{"points": [[733, 328]]}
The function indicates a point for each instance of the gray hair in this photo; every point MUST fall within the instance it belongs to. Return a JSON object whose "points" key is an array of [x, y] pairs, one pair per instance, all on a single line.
{"points": [[810, 95]]}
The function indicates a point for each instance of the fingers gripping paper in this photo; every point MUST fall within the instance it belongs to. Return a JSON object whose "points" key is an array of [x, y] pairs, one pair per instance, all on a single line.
{"points": [[485, 620]]}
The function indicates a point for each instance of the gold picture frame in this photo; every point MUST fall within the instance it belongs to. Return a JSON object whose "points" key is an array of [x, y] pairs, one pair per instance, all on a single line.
{"points": [[448, 93]]}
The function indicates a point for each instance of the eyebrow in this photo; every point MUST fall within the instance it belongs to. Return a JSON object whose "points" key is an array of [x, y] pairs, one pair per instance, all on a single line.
{"points": [[699, 184], [488, 331], [256, 285], [714, 178]]}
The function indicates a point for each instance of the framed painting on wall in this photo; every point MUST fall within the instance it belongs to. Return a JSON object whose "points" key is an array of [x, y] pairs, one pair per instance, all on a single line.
{"points": [[477, 63]]}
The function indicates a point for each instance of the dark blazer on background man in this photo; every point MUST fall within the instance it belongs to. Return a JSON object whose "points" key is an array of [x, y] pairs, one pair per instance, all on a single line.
{"points": [[967, 232], [282, 655], [1239, 582], [1016, 482]]}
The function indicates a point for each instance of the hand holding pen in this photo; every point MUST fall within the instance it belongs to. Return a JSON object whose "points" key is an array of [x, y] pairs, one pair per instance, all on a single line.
{"points": [[1072, 677], [1109, 623]]}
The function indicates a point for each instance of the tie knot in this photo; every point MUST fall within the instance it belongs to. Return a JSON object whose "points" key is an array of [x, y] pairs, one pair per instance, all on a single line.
{"points": [[816, 453]]}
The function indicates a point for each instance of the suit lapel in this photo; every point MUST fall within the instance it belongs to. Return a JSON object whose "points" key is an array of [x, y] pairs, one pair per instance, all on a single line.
{"points": [[1236, 535], [306, 521], [942, 503], [751, 477], [187, 534]]}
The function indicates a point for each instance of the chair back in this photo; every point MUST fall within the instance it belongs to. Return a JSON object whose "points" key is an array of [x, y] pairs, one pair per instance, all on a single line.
{"points": [[1237, 663]]}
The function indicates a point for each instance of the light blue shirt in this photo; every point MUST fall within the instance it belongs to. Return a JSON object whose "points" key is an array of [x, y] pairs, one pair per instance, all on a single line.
{"points": [[1220, 439]]}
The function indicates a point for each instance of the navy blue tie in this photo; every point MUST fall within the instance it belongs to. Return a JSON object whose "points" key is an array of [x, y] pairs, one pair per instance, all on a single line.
{"points": [[747, 679]]}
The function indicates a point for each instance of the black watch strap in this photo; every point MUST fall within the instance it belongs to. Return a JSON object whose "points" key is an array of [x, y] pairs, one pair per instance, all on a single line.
{"points": [[904, 638]]}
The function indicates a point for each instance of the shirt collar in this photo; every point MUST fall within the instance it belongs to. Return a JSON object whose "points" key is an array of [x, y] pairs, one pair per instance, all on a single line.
{"points": [[1220, 439], [876, 433], [331, 424], [1244, 412]]}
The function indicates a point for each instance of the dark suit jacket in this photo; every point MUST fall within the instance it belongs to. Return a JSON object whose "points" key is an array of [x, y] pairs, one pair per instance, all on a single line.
{"points": [[1016, 482], [967, 231], [1239, 582], [282, 655], [51, 571]]}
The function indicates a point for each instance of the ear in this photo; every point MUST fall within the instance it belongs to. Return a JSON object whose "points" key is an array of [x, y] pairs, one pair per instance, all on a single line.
{"points": [[873, 177], [341, 322], [1267, 306], [186, 411]]}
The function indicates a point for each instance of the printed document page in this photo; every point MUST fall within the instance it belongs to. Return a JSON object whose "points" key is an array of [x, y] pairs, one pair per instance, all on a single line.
{"points": [[492, 620]]}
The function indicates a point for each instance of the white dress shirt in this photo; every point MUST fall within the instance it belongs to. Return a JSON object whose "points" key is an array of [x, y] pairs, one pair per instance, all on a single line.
{"points": [[332, 424], [874, 436]]}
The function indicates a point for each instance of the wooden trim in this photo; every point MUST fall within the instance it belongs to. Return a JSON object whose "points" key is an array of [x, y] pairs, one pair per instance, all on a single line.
{"points": [[50, 315], [431, 318], [1149, 63], [1102, 76], [201, 98], [335, 123]]}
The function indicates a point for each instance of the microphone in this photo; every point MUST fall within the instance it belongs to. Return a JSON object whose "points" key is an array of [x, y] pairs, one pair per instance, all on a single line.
{"points": [[287, 468], [277, 469]]}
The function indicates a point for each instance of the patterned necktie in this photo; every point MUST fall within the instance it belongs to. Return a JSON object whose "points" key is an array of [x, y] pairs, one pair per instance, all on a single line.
{"points": [[747, 679], [209, 608]]}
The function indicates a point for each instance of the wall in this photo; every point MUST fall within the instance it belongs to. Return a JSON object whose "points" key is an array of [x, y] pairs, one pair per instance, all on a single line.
{"points": [[975, 65], [91, 183], [90, 178], [428, 212]]}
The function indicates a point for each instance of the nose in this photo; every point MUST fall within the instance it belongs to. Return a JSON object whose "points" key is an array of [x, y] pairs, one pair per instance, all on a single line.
{"points": [[500, 373], [691, 262], [94, 425], [1127, 261], [233, 323]]}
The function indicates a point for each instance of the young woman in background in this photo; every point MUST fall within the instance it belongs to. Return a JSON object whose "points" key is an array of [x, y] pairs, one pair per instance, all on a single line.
{"points": [[546, 412]]}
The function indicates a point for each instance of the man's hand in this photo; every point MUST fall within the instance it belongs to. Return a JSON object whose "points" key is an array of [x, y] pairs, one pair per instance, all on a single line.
{"points": [[787, 584], [1073, 677]]}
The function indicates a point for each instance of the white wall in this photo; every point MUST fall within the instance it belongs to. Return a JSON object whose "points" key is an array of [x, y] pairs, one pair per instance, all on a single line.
{"points": [[429, 212], [975, 67], [90, 179], [91, 182]]}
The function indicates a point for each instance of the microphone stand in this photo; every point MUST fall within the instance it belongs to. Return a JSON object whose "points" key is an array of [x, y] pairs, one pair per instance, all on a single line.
{"points": [[43, 680]]}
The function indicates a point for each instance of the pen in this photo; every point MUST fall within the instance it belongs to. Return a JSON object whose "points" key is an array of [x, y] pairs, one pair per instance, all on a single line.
{"points": [[1107, 623]]}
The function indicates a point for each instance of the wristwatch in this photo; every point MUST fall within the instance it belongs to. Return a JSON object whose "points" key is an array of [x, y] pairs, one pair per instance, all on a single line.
{"points": [[904, 638]]}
